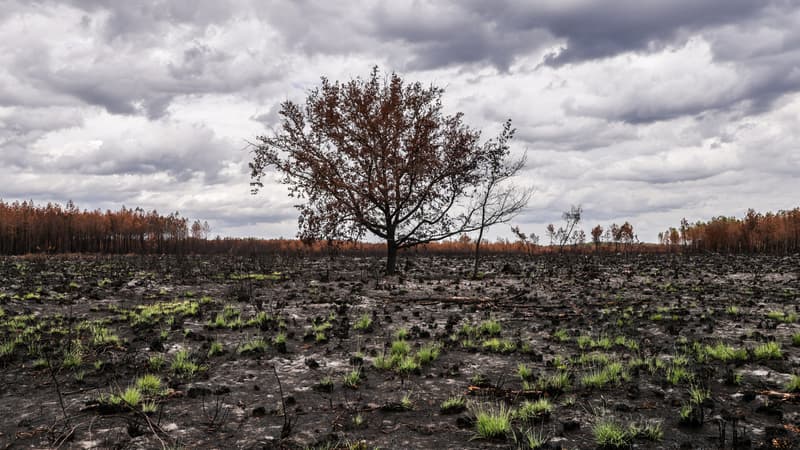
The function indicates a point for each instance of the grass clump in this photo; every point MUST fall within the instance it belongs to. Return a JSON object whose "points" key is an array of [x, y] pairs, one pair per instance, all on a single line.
{"points": [[400, 348], [609, 434], [148, 384], [724, 352], [561, 335], [677, 374], [783, 317], [524, 372], [103, 336], [364, 323], [253, 346], [452, 405], [491, 420], [558, 382], [796, 339], [428, 353], [183, 365], [406, 365], [215, 349], [156, 362], [534, 410], [490, 327], [132, 396], [352, 379], [794, 384], [531, 439], [497, 345], [768, 350]]}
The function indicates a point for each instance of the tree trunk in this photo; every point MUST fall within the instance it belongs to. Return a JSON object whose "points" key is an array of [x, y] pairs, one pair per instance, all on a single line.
{"points": [[477, 253], [391, 257]]}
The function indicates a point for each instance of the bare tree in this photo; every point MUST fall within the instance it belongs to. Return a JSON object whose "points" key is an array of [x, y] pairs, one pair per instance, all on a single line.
{"points": [[528, 242], [567, 233], [376, 156], [496, 201]]}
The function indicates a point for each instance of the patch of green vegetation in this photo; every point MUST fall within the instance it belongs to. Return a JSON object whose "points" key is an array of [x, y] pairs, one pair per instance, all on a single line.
{"points": [[524, 372], [382, 362], [7, 348], [531, 439], [151, 314], [561, 335], [722, 352], [593, 359], [613, 373], [149, 406], [364, 323], [794, 384], [406, 403], [229, 317], [781, 316], [490, 327], [650, 430], [677, 373], [796, 339], [610, 434], [453, 404], [626, 342], [132, 396], [698, 395], [216, 348], [406, 365], [274, 276], [768, 350], [182, 365], [261, 319], [534, 410], [73, 357], [497, 345], [733, 310], [352, 379], [491, 420], [156, 362], [401, 334], [400, 348], [428, 353], [557, 382], [149, 384], [103, 336], [253, 346]]}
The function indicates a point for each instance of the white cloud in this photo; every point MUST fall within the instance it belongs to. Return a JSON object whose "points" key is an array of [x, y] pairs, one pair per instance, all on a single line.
{"points": [[652, 111]]}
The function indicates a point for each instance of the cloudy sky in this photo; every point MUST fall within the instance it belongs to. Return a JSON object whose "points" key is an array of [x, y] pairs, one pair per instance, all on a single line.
{"points": [[639, 110]]}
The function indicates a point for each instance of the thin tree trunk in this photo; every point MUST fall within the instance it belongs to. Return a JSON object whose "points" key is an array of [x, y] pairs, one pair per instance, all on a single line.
{"points": [[477, 253]]}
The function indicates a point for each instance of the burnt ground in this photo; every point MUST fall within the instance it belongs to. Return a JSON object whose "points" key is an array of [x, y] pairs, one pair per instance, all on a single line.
{"points": [[677, 351]]}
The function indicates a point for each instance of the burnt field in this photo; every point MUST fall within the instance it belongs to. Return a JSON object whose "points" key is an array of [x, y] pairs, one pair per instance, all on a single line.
{"points": [[656, 351]]}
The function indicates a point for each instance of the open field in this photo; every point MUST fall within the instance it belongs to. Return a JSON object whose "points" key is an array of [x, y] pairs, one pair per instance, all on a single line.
{"points": [[657, 351]]}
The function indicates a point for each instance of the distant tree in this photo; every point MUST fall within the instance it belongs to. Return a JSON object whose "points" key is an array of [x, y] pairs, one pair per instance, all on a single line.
{"points": [[495, 202], [597, 234], [376, 156], [529, 242], [567, 232]]}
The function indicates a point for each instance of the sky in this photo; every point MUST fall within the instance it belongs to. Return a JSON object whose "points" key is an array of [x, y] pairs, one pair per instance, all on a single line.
{"points": [[637, 110]]}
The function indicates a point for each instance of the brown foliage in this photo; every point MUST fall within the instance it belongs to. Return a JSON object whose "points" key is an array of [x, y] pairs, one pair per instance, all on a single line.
{"points": [[27, 228], [755, 232], [376, 156]]}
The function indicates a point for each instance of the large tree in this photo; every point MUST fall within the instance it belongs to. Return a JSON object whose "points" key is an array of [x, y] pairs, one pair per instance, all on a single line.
{"points": [[379, 156]]}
